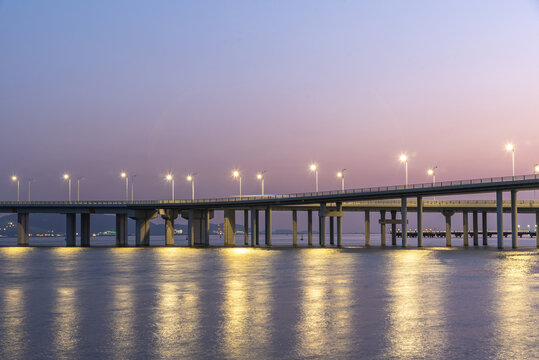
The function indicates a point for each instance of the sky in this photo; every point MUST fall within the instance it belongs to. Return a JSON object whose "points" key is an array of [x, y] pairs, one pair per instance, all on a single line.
{"points": [[150, 87]]}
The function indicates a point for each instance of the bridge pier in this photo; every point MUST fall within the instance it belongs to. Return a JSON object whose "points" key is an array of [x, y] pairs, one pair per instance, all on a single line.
{"points": [[475, 229], [254, 227], [294, 228], [310, 227], [331, 231], [84, 230], [169, 216], [537, 229], [230, 227], [257, 235], [142, 218], [448, 214], [465, 228], [245, 227], [367, 228], [322, 225], [383, 228], [499, 218], [268, 226], [514, 221], [121, 230], [71, 230], [419, 221], [485, 228], [198, 226], [393, 227], [339, 225], [23, 225], [404, 217]]}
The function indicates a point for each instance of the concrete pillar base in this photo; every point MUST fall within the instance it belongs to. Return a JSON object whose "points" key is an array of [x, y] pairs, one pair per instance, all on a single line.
{"points": [[121, 230], [71, 232], [230, 227], [169, 216], [84, 230], [23, 225], [142, 218]]}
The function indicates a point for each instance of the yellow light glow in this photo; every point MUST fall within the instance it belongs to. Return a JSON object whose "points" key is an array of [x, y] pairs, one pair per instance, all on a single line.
{"points": [[14, 178], [510, 147], [430, 172], [259, 176], [189, 178], [236, 173], [313, 167], [169, 177], [403, 158], [339, 174], [537, 168], [66, 176], [123, 174]]}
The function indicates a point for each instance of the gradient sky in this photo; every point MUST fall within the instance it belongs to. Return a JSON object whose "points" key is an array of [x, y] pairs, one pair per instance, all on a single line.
{"points": [[94, 87]]}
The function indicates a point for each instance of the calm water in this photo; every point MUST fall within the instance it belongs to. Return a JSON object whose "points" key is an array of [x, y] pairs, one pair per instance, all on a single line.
{"points": [[69, 303]]}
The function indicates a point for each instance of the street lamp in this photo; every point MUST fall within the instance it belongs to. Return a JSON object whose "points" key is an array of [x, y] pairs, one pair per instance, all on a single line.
{"points": [[536, 170], [260, 176], [170, 178], [404, 159], [191, 178], [15, 178], [66, 177], [78, 187], [132, 186], [510, 147], [432, 172], [314, 168], [340, 175], [29, 187], [236, 175], [124, 176]]}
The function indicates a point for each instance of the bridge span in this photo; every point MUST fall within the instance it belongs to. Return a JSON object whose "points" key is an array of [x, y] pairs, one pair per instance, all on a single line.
{"points": [[388, 200]]}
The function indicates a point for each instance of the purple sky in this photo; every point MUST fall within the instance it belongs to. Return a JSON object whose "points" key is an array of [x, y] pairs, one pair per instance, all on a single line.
{"points": [[208, 86]]}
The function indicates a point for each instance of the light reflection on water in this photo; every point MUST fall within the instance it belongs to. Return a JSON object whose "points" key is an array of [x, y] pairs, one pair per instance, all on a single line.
{"points": [[244, 303]]}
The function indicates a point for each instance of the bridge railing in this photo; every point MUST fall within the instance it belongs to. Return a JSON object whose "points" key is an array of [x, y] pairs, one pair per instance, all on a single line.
{"points": [[442, 184]]}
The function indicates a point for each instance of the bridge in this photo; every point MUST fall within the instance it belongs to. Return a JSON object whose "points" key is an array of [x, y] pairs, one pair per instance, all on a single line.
{"points": [[328, 204]]}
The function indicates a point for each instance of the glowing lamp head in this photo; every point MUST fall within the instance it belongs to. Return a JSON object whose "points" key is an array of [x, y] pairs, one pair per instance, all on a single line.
{"points": [[430, 172], [339, 174], [537, 168], [259, 176], [14, 178], [169, 177], [66, 176], [403, 158], [189, 178], [510, 147], [123, 174], [313, 167], [236, 173]]}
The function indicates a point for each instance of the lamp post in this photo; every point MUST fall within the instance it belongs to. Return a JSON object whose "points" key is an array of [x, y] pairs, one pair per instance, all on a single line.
{"points": [[78, 188], [15, 178], [404, 159], [124, 176], [314, 168], [536, 170], [432, 172], [170, 178], [132, 186], [68, 179], [510, 147], [237, 175], [29, 188], [340, 175], [191, 178], [260, 177]]}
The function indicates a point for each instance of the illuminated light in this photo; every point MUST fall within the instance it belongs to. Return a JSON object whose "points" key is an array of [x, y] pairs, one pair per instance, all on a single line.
{"points": [[14, 178], [430, 172], [510, 147], [259, 176], [537, 168], [189, 178], [169, 177], [313, 167], [236, 173], [403, 158], [66, 176], [123, 174], [339, 174]]}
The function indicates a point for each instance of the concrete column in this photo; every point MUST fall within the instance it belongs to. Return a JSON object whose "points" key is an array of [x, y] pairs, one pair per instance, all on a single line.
{"points": [[475, 229], [84, 230], [448, 215], [322, 230], [499, 218], [71, 230], [191, 227], [465, 230], [514, 220], [331, 231], [419, 221], [268, 226], [339, 231], [257, 235], [485, 228], [393, 228], [383, 228], [367, 228], [198, 226], [294, 228], [169, 216], [246, 227], [254, 227], [207, 214], [310, 227], [537, 229], [121, 230], [404, 217], [230, 227], [142, 218], [22, 229]]}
